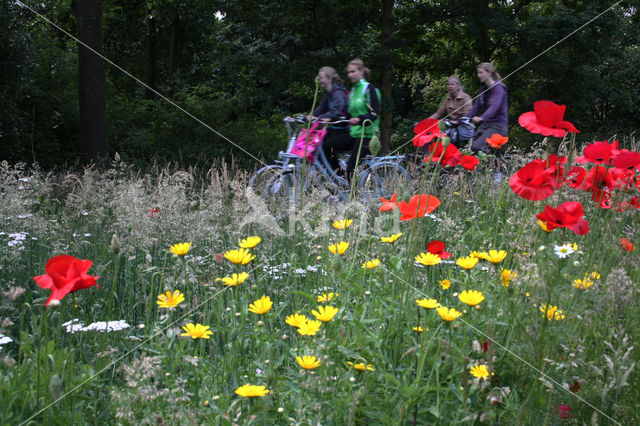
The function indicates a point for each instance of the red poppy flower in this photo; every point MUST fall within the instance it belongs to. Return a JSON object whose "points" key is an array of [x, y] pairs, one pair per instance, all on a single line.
{"points": [[627, 245], [450, 156], [627, 160], [533, 181], [497, 140], [437, 247], [469, 162], [65, 274], [576, 177], [388, 205], [418, 206], [152, 213], [426, 131], [598, 153], [547, 119], [556, 169], [567, 215], [564, 411], [598, 180]]}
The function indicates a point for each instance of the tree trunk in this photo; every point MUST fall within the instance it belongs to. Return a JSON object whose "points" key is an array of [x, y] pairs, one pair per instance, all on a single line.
{"points": [[173, 46], [91, 80], [150, 45], [387, 75]]}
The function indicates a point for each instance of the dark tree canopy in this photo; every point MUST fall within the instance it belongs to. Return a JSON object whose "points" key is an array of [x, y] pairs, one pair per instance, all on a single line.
{"points": [[242, 66]]}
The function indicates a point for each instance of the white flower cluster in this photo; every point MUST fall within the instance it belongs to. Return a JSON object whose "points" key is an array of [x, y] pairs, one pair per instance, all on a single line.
{"points": [[102, 326], [17, 238], [278, 271], [4, 340]]}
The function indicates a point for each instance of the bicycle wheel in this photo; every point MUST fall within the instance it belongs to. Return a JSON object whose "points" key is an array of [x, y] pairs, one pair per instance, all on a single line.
{"points": [[261, 180], [383, 180], [280, 192]]}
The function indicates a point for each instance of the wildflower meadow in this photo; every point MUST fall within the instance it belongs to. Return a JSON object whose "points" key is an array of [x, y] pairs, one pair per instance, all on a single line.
{"points": [[168, 296]]}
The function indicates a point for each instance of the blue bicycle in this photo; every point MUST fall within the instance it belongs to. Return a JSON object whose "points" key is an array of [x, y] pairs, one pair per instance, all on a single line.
{"points": [[290, 175]]}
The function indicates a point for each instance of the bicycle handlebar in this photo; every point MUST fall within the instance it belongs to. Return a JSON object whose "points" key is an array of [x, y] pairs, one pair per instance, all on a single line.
{"points": [[301, 119]]}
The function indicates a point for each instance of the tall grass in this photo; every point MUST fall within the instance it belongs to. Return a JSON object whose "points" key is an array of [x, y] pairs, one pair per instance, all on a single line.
{"points": [[149, 373]]}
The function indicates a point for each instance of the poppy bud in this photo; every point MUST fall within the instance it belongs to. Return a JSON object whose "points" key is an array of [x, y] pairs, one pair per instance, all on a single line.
{"points": [[55, 386], [374, 145], [442, 125], [55, 318], [36, 339], [115, 245], [446, 140]]}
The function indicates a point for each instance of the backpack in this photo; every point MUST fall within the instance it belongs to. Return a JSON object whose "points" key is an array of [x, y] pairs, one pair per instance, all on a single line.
{"points": [[315, 137]]}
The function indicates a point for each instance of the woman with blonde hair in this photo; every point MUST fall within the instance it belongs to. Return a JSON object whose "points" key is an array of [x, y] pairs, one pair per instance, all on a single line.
{"points": [[333, 107], [364, 110], [489, 112]]}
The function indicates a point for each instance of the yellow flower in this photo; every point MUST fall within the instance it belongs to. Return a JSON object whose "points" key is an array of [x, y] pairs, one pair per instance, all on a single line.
{"points": [[240, 256], [339, 248], [361, 366], [418, 329], [427, 303], [587, 281], [296, 320], [445, 284], [471, 297], [552, 312], [197, 331], [342, 224], [323, 298], [325, 313], [235, 279], [448, 314], [467, 262], [309, 328], [479, 254], [543, 226], [391, 239], [428, 259], [170, 300], [250, 242], [308, 362], [180, 249], [371, 264], [496, 256], [479, 371], [261, 306], [506, 276], [249, 391]]}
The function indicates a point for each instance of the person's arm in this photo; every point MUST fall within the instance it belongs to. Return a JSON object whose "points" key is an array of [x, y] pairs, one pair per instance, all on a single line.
{"points": [[441, 110], [323, 107], [494, 102], [374, 102], [474, 110], [338, 105]]}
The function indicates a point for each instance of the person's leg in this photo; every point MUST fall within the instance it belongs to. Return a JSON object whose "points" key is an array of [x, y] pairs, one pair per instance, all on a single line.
{"points": [[479, 141], [364, 151], [334, 142]]}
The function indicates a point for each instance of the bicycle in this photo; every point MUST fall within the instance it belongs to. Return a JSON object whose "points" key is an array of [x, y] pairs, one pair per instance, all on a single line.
{"points": [[291, 175]]}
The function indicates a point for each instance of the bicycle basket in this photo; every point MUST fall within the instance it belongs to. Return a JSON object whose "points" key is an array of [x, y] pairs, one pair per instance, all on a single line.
{"points": [[310, 144]]}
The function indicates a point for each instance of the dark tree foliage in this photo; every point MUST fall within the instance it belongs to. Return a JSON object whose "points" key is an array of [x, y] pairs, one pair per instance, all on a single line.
{"points": [[242, 66]]}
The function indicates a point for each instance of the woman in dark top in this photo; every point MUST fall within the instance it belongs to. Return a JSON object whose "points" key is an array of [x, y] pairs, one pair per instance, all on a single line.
{"points": [[333, 107], [489, 110]]}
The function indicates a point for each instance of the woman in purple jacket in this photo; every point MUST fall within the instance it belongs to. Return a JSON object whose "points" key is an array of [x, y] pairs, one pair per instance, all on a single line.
{"points": [[489, 112]]}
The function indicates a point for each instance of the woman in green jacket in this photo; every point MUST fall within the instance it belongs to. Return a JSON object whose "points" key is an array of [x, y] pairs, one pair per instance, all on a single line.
{"points": [[364, 104]]}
